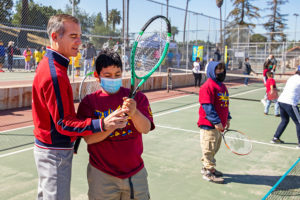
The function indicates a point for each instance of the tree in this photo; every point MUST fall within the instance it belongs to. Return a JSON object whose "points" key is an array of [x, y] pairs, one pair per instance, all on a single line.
{"points": [[114, 18], [243, 13], [275, 24], [174, 31], [6, 10], [258, 38], [37, 15]]}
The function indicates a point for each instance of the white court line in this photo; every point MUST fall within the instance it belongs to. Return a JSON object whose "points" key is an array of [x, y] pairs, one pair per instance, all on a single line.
{"points": [[253, 141], [157, 115], [15, 152], [15, 129]]}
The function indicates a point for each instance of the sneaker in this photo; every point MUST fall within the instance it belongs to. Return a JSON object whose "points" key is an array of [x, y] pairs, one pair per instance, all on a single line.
{"points": [[277, 141], [263, 101], [215, 172], [1, 70], [208, 176], [265, 113], [277, 115]]}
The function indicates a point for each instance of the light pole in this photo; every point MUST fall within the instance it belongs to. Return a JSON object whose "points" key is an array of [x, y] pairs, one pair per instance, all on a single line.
{"points": [[296, 15]]}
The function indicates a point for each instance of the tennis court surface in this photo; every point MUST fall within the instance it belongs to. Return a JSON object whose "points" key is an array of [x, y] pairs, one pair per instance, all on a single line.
{"points": [[172, 152]]}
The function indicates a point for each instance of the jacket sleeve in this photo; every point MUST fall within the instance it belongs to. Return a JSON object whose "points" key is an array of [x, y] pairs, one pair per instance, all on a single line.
{"points": [[59, 99], [211, 114]]}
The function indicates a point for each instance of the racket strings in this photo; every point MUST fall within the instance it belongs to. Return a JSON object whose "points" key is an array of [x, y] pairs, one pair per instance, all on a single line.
{"points": [[238, 142], [150, 47]]}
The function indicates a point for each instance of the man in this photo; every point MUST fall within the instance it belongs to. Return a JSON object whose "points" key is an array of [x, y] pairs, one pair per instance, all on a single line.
{"points": [[273, 61], [10, 51], [54, 117]]}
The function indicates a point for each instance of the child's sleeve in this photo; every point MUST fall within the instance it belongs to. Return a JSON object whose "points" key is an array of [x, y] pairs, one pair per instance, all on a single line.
{"points": [[211, 114]]}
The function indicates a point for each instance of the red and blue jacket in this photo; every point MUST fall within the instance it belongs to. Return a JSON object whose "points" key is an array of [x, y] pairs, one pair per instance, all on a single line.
{"points": [[54, 117]]}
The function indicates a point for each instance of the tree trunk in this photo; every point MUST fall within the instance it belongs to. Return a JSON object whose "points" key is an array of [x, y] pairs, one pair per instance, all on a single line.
{"points": [[23, 42], [106, 13]]}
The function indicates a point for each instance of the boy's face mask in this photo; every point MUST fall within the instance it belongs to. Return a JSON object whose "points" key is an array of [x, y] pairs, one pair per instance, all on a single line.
{"points": [[221, 76], [111, 85]]}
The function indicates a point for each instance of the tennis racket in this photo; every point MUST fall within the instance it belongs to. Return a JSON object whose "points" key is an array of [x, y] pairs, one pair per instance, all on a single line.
{"points": [[87, 86], [149, 50], [237, 142]]}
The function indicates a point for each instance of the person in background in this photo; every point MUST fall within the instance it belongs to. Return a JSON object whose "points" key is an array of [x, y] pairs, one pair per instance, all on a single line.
{"points": [[2, 55], [178, 58], [217, 55], [288, 101], [272, 95], [37, 55], [273, 61], [43, 51], [170, 56], [56, 126], [27, 56], [247, 70], [196, 72], [10, 51], [88, 55]]}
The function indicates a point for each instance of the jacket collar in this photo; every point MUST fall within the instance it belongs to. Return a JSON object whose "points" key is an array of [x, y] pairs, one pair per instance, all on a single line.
{"points": [[62, 60]]}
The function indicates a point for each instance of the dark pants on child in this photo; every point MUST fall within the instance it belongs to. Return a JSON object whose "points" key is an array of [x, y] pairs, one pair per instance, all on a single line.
{"points": [[197, 79], [288, 111]]}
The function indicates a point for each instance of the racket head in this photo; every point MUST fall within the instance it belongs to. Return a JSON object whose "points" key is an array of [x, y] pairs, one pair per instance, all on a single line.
{"points": [[150, 48], [237, 142], [88, 85]]}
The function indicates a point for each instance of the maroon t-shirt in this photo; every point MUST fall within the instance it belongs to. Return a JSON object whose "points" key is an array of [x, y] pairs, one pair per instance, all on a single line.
{"points": [[217, 95], [120, 153]]}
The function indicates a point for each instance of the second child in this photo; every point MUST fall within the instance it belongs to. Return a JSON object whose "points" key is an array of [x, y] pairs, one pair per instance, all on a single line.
{"points": [[272, 95]]}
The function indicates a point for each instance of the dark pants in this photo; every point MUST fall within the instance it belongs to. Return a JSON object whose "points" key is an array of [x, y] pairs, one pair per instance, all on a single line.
{"points": [[246, 79], [197, 79], [288, 111], [10, 62]]}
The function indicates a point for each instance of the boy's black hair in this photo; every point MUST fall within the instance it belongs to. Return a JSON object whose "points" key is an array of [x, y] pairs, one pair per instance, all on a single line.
{"points": [[269, 74], [106, 58], [221, 65]]}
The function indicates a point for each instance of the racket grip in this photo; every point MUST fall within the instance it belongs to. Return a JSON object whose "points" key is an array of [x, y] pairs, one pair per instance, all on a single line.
{"points": [[76, 145]]}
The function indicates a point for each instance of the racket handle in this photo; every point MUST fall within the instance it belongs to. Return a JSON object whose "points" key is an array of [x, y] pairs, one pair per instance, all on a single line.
{"points": [[76, 145]]}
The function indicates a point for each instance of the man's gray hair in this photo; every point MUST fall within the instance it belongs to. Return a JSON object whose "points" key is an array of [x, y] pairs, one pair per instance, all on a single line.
{"points": [[56, 24]]}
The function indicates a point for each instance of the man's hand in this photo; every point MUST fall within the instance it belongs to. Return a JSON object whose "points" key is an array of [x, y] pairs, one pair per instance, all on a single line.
{"points": [[219, 127], [129, 106], [115, 120]]}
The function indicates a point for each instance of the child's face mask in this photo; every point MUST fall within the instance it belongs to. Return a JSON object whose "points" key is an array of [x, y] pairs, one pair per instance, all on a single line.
{"points": [[110, 85]]}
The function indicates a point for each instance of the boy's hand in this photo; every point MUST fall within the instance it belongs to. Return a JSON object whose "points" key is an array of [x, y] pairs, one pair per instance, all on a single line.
{"points": [[129, 106], [115, 120], [219, 127], [228, 124]]}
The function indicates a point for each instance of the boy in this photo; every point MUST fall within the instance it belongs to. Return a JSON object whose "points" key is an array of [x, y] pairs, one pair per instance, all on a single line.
{"points": [[116, 169], [272, 95], [214, 116]]}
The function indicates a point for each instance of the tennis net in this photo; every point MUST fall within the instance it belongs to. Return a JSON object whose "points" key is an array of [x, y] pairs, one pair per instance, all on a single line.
{"points": [[183, 80], [288, 186]]}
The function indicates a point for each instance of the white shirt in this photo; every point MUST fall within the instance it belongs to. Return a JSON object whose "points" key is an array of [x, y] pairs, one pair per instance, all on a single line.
{"points": [[196, 68], [291, 91]]}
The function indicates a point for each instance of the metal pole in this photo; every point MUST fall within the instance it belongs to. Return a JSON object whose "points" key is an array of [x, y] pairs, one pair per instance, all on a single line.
{"points": [[73, 13], [187, 44], [296, 15]]}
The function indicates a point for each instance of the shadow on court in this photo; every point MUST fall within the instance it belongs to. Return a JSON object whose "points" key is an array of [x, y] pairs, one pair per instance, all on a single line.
{"points": [[251, 179]]}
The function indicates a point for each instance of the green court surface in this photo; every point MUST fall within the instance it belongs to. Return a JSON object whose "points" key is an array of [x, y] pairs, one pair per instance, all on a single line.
{"points": [[172, 154]]}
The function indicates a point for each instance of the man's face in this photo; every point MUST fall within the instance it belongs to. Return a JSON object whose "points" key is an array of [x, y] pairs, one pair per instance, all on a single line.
{"points": [[68, 44]]}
